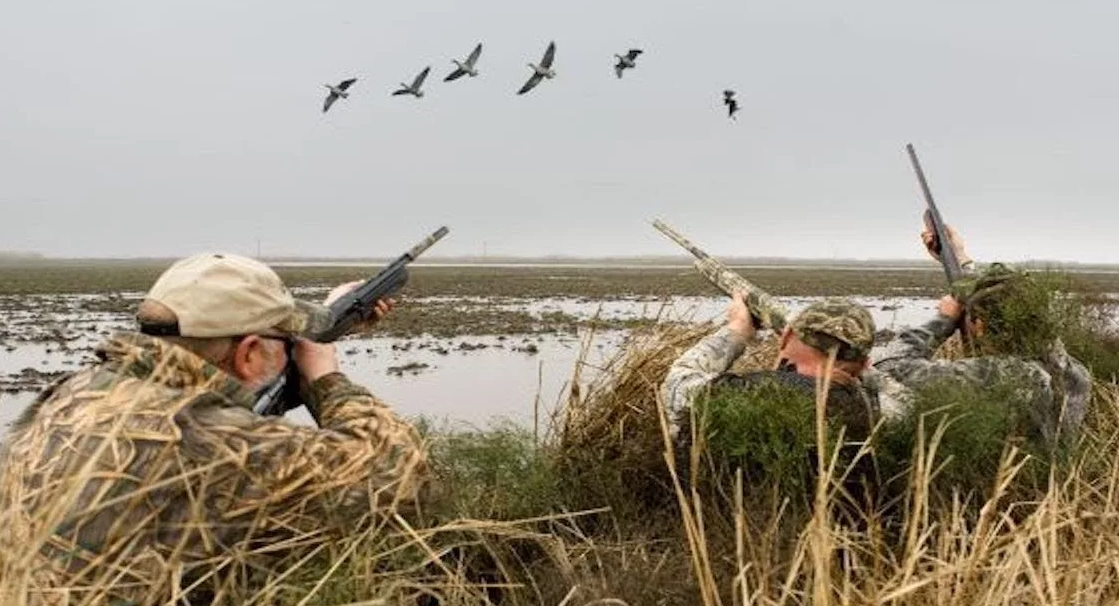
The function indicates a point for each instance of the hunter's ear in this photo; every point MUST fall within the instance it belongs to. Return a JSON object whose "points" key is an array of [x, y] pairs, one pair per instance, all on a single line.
{"points": [[249, 358]]}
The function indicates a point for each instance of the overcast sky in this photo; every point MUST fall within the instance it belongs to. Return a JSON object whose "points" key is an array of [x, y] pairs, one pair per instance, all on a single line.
{"points": [[141, 128]]}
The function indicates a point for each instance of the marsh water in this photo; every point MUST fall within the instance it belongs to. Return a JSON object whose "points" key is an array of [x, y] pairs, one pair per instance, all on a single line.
{"points": [[468, 379]]}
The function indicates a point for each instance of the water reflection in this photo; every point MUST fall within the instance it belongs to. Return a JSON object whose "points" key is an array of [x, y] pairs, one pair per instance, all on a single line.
{"points": [[489, 377]]}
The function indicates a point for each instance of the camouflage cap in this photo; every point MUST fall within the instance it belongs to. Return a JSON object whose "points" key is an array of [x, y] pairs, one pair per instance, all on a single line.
{"points": [[836, 322], [987, 286], [224, 295]]}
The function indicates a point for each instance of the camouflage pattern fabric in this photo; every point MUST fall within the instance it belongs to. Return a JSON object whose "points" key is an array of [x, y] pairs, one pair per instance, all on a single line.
{"points": [[1058, 386], [839, 320], [705, 362], [145, 472]]}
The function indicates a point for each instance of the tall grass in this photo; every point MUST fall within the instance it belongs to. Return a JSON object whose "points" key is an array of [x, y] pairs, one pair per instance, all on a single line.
{"points": [[966, 512]]}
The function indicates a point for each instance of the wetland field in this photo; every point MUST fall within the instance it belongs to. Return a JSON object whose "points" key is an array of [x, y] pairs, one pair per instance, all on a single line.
{"points": [[465, 343], [553, 481]]}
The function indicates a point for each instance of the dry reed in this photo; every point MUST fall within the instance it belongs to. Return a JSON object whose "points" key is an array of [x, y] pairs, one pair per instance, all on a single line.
{"points": [[1060, 547]]}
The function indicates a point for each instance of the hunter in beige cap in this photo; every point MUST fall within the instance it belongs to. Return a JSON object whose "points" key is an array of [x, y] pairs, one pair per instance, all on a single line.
{"points": [[153, 458], [224, 295]]}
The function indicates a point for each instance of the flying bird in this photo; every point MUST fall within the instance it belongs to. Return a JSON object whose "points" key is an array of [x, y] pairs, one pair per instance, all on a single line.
{"points": [[336, 92], [627, 61], [544, 70], [466, 67], [731, 103], [414, 88]]}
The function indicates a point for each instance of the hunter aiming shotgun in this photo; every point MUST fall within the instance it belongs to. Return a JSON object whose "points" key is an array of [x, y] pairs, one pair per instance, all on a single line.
{"points": [[948, 260], [350, 309], [767, 311]]}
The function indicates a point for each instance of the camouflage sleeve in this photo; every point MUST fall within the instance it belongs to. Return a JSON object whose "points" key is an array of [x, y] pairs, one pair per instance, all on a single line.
{"points": [[914, 346], [695, 368], [1074, 383], [362, 458], [908, 359]]}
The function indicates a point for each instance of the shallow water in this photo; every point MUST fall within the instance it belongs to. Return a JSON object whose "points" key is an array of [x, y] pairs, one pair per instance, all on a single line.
{"points": [[460, 384]]}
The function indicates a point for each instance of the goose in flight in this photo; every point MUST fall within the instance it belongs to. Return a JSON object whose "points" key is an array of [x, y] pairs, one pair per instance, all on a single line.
{"points": [[336, 92], [467, 67], [627, 61], [544, 70], [730, 102], [414, 88]]}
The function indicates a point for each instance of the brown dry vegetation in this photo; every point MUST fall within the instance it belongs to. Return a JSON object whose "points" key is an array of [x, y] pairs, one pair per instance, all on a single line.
{"points": [[515, 525], [591, 513]]}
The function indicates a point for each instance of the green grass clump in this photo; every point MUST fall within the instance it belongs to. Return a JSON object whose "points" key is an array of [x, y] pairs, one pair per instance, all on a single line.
{"points": [[975, 425], [496, 473], [769, 431]]}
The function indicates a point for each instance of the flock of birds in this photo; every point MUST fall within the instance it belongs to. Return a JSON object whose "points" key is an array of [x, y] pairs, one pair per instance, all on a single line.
{"points": [[541, 71]]}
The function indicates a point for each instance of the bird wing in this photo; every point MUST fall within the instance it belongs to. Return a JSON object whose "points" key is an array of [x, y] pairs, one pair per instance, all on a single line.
{"points": [[728, 93], [549, 55], [400, 91], [455, 75], [473, 58], [329, 101], [533, 81], [343, 85], [633, 53], [618, 68], [418, 82]]}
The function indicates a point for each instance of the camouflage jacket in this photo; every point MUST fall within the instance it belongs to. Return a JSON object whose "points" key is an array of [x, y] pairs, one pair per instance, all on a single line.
{"points": [[150, 469], [1058, 385], [705, 362]]}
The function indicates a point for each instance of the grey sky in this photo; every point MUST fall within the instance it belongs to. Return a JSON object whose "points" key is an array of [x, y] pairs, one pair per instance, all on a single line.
{"points": [[164, 128]]}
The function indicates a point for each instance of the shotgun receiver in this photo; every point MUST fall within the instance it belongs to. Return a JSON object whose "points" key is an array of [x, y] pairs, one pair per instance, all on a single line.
{"points": [[348, 310]]}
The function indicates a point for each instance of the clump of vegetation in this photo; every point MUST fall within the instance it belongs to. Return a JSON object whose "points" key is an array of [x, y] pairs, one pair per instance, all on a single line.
{"points": [[499, 473], [978, 510], [769, 432], [969, 429]]}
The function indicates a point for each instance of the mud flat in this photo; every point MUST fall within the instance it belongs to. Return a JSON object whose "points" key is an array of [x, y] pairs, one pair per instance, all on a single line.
{"points": [[449, 357], [465, 343]]}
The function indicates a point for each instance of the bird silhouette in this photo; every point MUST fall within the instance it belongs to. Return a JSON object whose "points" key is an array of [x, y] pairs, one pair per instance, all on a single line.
{"points": [[544, 70], [466, 67], [336, 92], [731, 103], [627, 61], [413, 88]]}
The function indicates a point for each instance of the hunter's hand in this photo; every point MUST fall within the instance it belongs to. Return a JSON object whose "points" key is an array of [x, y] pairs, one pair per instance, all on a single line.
{"points": [[739, 319], [928, 237], [950, 307], [380, 310], [314, 360]]}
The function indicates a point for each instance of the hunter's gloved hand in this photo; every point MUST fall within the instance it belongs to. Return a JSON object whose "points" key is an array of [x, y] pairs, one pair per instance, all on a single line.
{"points": [[739, 319], [380, 310], [928, 237]]}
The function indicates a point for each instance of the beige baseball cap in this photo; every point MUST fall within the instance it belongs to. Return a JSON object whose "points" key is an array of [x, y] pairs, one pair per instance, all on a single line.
{"points": [[224, 295]]}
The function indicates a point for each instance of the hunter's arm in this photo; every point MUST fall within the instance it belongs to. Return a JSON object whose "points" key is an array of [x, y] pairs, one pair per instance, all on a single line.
{"points": [[695, 368], [908, 357], [362, 458]]}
